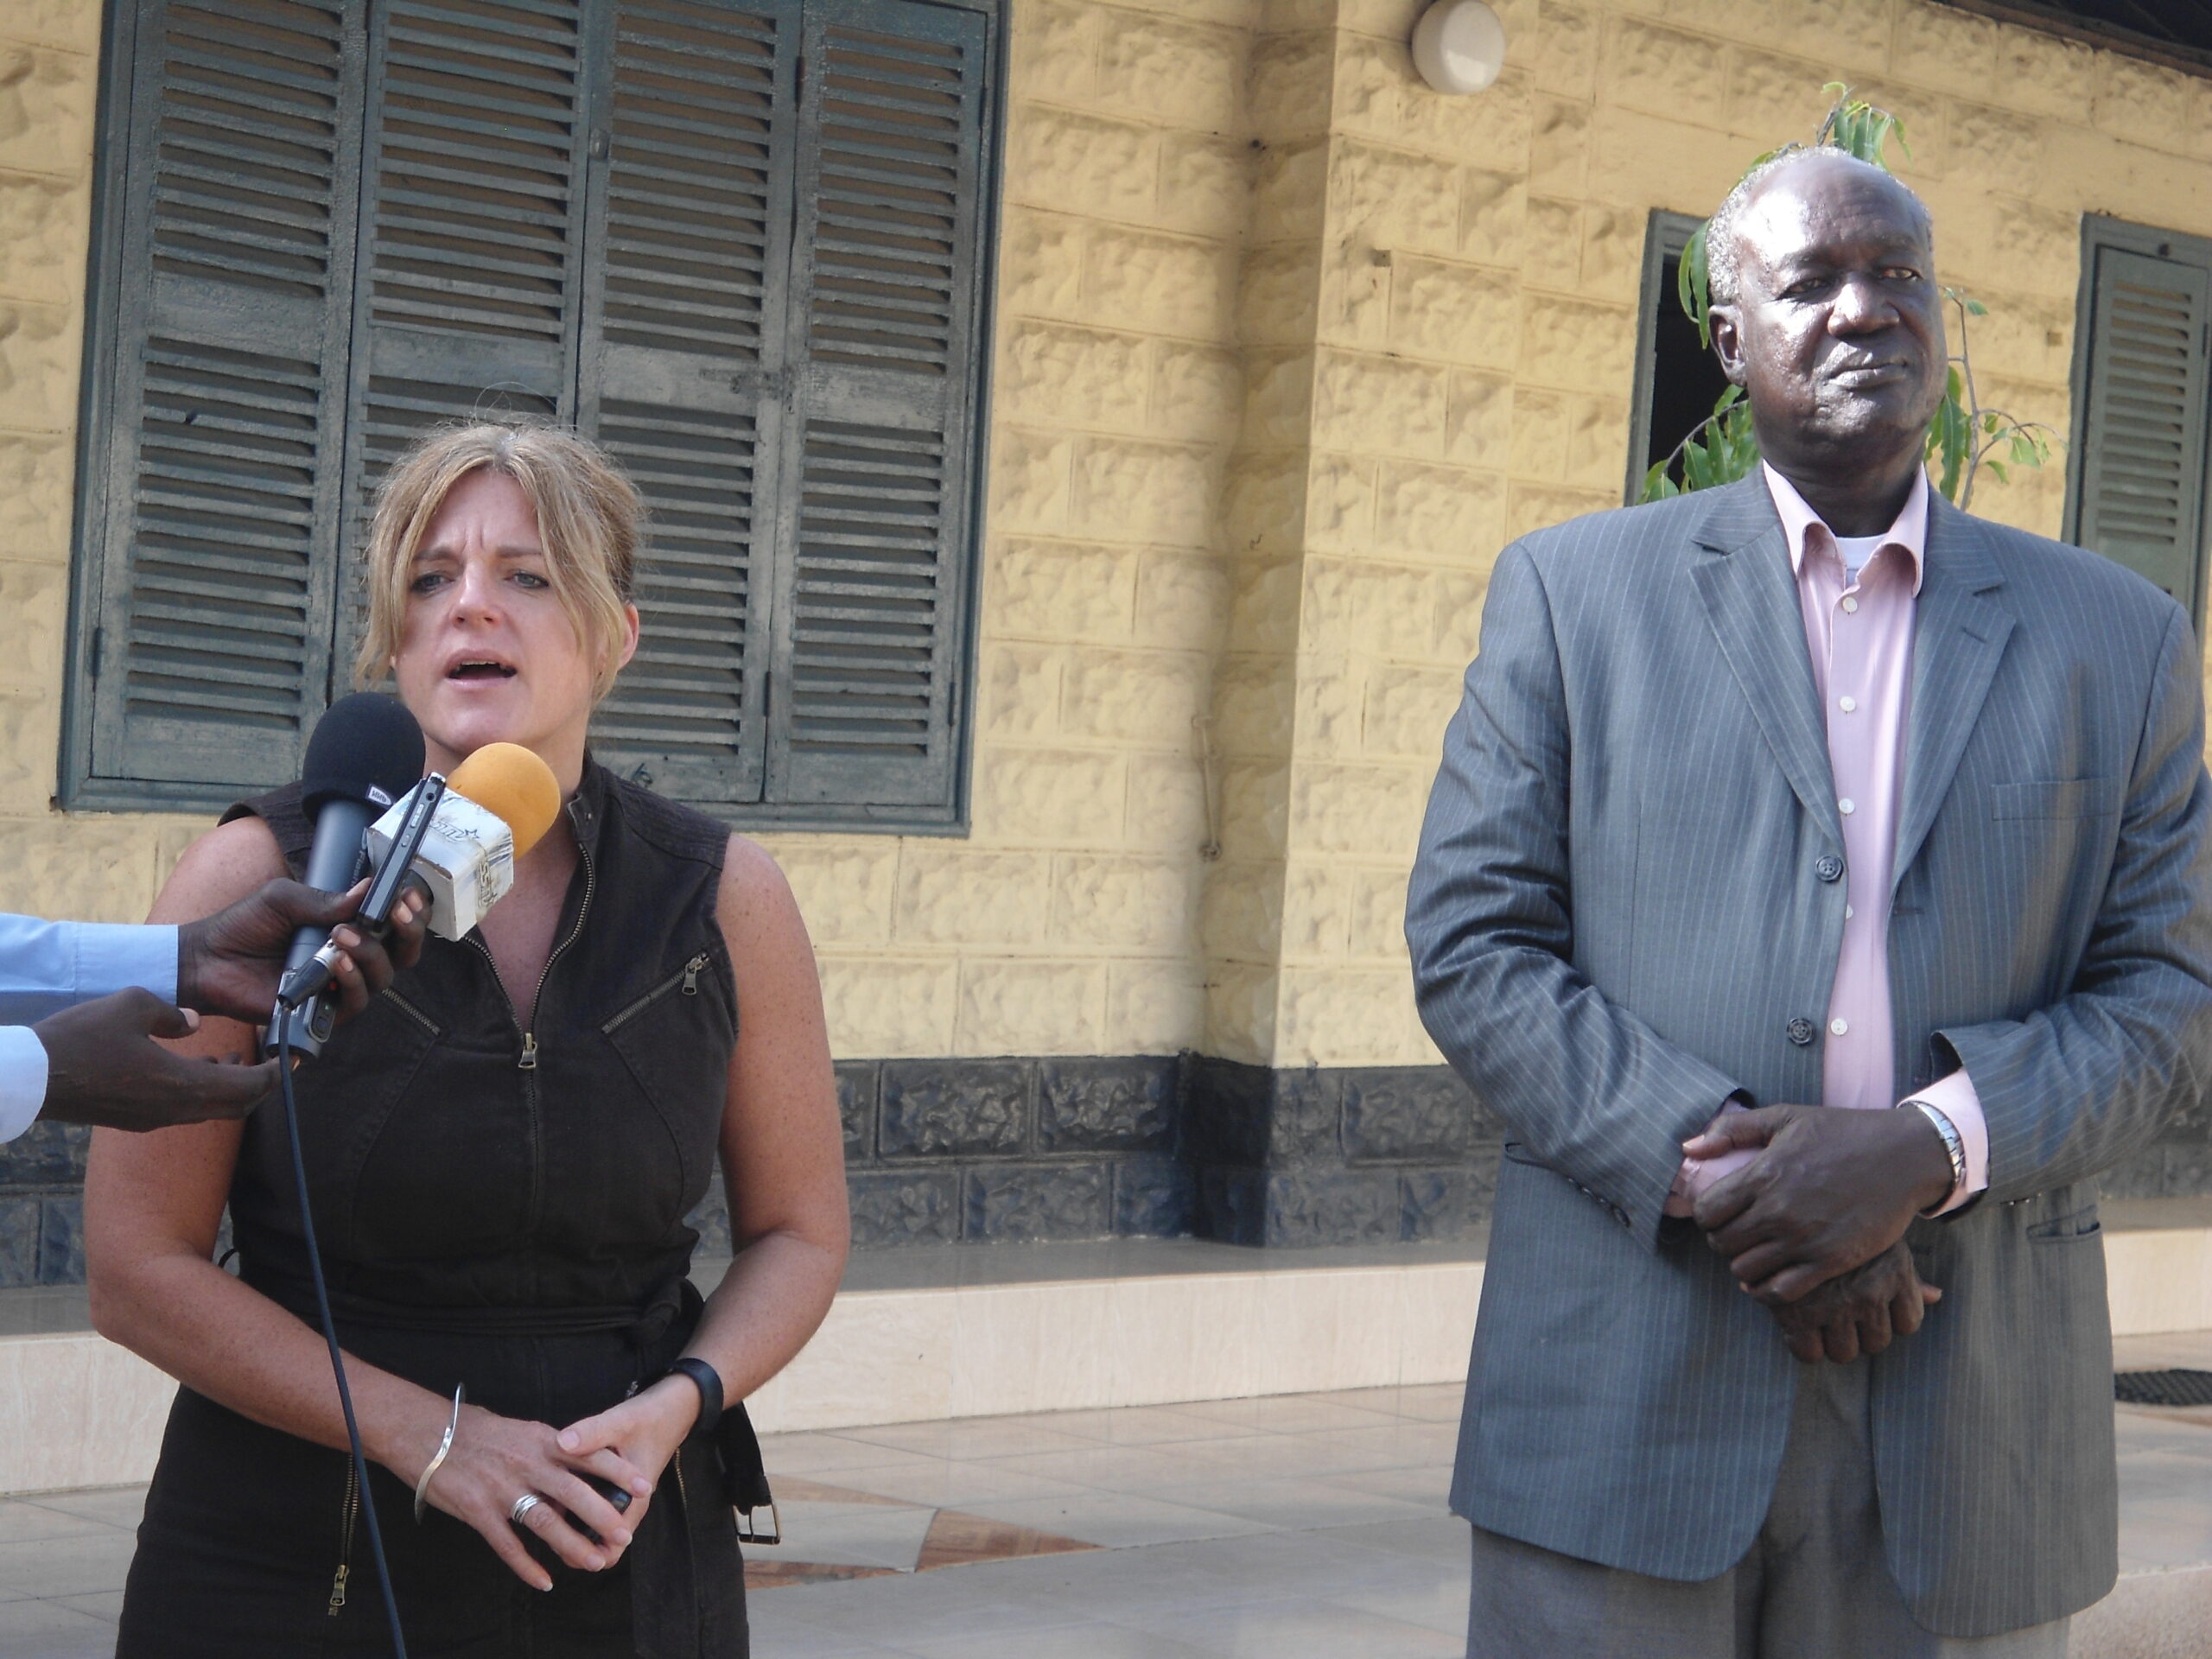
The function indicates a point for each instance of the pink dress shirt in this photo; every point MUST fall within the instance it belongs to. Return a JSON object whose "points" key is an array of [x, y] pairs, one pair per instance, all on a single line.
{"points": [[1859, 634]]}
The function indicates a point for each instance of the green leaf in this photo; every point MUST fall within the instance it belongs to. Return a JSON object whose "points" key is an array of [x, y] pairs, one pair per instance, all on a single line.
{"points": [[1693, 285], [1657, 487], [1997, 470], [1976, 309]]}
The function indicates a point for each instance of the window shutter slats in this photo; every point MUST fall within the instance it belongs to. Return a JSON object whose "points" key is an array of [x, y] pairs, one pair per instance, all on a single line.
{"points": [[873, 577], [2141, 496], [470, 238], [683, 353], [211, 528], [739, 242]]}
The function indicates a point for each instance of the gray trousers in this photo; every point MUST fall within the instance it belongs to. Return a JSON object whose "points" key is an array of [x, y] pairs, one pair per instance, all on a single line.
{"points": [[1814, 1585]]}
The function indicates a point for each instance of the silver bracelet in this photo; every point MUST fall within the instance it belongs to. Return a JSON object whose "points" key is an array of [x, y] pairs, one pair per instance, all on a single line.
{"points": [[422, 1486]]}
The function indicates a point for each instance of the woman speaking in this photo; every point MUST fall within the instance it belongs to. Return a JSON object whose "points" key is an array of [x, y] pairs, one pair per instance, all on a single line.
{"points": [[501, 1152]]}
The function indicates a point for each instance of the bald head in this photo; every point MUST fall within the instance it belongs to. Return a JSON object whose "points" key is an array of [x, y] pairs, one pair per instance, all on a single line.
{"points": [[1735, 218]]}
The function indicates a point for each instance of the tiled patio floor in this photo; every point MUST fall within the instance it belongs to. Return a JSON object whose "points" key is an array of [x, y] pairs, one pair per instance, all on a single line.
{"points": [[1289, 1526]]}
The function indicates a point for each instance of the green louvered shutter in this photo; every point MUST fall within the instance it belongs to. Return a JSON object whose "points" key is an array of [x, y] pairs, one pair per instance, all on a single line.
{"points": [[211, 512], [874, 556], [2141, 477], [683, 353], [471, 254]]}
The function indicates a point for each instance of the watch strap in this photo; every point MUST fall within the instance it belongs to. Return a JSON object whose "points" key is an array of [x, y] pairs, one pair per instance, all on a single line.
{"points": [[709, 1382]]}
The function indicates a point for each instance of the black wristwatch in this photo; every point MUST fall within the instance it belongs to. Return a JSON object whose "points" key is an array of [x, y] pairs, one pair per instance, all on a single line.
{"points": [[710, 1383]]}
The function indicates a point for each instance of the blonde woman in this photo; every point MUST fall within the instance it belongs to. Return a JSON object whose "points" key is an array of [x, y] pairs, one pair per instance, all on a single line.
{"points": [[501, 1152]]}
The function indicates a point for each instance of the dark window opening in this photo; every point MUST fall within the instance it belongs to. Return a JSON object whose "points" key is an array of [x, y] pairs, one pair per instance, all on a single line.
{"points": [[1678, 379]]}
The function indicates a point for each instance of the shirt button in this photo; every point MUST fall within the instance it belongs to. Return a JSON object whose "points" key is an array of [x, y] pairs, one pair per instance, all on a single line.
{"points": [[1847, 704], [1839, 1028], [1849, 603], [1848, 913], [1827, 867], [1847, 806], [1801, 1030]]}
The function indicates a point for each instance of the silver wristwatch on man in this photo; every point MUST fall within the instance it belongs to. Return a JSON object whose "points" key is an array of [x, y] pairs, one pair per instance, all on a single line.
{"points": [[1953, 1147]]}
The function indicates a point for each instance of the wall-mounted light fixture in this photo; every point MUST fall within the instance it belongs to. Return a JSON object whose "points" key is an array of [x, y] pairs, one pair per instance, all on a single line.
{"points": [[1458, 45]]}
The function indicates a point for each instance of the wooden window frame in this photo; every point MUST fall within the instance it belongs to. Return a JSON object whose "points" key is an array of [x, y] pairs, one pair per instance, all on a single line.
{"points": [[2099, 233], [82, 787], [1666, 233]]}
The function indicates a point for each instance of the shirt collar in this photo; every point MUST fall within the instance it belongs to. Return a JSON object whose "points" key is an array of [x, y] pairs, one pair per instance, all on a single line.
{"points": [[1799, 521]]}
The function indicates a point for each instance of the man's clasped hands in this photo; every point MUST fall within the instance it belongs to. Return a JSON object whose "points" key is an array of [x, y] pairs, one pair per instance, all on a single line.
{"points": [[1814, 1225]]}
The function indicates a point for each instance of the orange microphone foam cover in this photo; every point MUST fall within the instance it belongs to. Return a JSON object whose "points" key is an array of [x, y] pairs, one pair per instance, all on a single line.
{"points": [[511, 783]]}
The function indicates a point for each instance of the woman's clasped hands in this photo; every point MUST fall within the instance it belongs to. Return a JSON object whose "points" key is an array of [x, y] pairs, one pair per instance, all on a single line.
{"points": [[496, 1463]]}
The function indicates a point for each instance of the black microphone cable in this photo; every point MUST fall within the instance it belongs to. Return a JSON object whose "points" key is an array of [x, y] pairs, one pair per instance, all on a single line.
{"points": [[284, 1018]]}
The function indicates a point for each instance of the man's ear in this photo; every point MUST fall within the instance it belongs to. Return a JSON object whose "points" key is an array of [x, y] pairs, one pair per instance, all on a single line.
{"points": [[1728, 342]]}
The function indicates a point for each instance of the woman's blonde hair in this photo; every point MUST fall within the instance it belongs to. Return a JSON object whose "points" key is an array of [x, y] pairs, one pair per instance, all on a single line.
{"points": [[590, 520]]}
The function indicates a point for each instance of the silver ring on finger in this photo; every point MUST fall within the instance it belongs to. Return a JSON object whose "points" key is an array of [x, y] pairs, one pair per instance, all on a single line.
{"points": [[523, 1506]]}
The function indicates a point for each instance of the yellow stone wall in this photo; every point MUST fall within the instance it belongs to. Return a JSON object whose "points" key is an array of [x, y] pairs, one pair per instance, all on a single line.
{"points": [[1287, 346]]}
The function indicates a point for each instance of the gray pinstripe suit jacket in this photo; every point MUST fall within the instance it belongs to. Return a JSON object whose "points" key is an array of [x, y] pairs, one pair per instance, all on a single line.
{"points": [[1614, 919]]}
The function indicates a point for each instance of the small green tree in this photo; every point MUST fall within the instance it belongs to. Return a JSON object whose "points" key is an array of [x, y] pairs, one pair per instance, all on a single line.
{"points": [[1965, 436]]}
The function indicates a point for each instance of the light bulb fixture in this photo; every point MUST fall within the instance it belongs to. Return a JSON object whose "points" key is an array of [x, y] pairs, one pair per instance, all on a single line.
{"points": [[1458, 45]]}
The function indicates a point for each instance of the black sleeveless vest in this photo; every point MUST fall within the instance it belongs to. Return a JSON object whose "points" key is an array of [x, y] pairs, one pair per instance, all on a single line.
{"points": [[528, 1168]]}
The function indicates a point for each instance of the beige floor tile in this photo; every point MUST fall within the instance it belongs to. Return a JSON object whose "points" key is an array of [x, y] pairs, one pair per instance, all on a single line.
{"points": [[972, 1437], [74, 1564], [1274, 1629], [944, 1484], [113, 1506], [1087, 1641], [1121, 1519], [46, 1630], [1293, 1504], [20, 1520]]}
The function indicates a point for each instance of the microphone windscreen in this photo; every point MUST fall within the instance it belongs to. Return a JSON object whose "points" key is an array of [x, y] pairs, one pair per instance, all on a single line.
{"points": [[511, 783], [366, 747]]}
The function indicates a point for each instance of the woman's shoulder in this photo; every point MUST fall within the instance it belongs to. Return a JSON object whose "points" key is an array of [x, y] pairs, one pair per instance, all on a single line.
{"points": [[223, 866], [670, 827]]}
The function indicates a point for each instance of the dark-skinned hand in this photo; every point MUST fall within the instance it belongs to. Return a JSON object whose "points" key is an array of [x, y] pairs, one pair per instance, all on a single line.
{"points": [[103, 1068], [229, 963], [1861, 1312], [1834, 1189]]}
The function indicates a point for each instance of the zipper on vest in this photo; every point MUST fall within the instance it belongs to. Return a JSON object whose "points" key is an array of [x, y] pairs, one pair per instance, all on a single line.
{"points": [[527, 1060], [412, 1011], [686, 978], [347, 1511]]}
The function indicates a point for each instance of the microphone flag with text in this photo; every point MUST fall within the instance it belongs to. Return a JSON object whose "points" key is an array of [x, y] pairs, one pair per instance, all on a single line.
{"points": [[455, 842]]}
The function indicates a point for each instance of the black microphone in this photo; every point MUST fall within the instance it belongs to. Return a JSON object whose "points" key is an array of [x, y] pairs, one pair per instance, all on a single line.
{"points": [[365, 754]]}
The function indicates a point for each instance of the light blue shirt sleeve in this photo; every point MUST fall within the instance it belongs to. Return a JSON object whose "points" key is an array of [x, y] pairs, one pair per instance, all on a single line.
{"points": [[48, 966], [23, 1079]]}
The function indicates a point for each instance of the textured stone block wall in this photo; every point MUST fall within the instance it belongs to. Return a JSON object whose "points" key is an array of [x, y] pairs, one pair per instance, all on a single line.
{"points": [[1287, 347]]}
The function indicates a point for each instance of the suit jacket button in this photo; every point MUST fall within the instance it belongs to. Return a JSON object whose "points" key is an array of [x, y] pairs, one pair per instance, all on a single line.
{"points": [[1827, 867], [1801, 1030]]}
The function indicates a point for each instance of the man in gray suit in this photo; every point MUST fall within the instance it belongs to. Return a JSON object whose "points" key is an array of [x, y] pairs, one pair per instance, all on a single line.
{"points": [[1811, 788]]}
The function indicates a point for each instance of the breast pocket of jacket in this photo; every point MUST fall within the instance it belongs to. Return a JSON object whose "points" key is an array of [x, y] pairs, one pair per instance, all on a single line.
{"points": [[2059, 799]]}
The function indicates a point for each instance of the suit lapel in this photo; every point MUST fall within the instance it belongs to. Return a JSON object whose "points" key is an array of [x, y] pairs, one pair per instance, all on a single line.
{"points": [[1750, 598], [1959, 635]]}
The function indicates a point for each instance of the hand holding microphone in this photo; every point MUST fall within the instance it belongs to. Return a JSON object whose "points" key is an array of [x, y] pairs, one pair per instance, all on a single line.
{"points": [[449, 843]]}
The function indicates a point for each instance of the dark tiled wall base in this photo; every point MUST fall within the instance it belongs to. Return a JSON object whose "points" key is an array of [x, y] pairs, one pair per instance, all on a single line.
{"points": [[1155, 1147], [1149, 1146], [938, 1151], [42, 1206], [1337, 1156]]}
